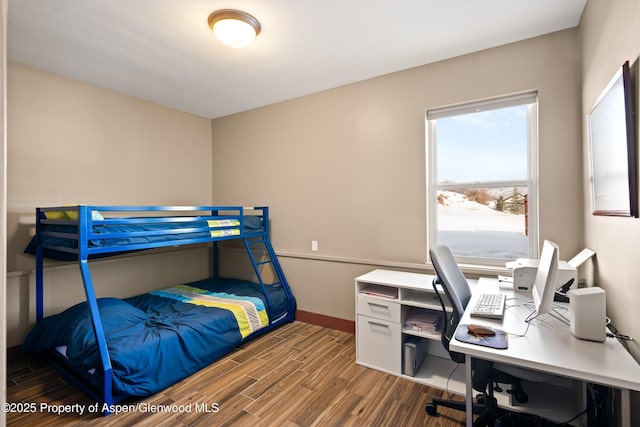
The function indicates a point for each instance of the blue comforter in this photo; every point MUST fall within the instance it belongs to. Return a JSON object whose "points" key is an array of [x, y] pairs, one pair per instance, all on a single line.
{"points": [[153, 341]]}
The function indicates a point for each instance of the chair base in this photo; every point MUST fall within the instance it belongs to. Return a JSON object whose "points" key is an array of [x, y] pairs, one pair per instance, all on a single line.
{"points": [[486, 408]]}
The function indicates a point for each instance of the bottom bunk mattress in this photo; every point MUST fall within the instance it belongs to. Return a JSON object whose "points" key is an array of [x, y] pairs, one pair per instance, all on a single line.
{"points": [[158, 338]]}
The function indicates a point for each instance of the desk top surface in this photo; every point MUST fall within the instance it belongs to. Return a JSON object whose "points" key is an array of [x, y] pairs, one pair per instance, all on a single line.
{"points": [[400, 279], [548, 344]]}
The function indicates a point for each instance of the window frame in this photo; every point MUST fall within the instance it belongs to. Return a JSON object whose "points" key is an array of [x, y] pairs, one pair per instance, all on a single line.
{"points": [[530, 99]]}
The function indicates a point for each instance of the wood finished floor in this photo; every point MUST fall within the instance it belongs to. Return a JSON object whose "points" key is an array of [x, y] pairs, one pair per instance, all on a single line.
{"points": [[298, 375]]}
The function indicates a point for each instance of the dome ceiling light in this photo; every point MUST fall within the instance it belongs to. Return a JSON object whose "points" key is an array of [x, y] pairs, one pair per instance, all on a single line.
{"points": [[234, 28]]}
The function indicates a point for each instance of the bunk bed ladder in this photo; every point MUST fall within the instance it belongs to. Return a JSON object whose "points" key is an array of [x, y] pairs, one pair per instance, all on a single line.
{"points": [[268, 258]]}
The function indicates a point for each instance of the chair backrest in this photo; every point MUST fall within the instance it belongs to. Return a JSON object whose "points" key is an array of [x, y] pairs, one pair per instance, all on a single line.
{"points": [[456, 289], [458, 292]]}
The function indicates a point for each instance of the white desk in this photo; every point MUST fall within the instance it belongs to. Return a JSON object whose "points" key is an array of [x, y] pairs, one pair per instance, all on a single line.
{"points": [[549, 346]]}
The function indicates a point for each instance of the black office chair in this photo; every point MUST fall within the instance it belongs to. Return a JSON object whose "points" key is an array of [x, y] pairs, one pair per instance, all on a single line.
{"points": [[486, 375]]}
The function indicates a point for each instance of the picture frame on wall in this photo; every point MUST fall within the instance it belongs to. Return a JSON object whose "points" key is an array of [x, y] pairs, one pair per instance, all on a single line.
{"points": [[612, 149]]}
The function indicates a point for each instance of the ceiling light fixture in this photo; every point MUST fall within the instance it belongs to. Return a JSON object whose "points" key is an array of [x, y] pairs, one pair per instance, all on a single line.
{"points": [[234, 28]]}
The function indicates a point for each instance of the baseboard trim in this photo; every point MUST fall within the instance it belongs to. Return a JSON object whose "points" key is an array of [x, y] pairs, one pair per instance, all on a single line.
{"points": [[326, 321]]}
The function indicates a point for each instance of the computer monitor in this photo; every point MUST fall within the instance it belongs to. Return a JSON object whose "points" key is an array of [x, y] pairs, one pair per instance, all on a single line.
{"points": [[544, 283]]}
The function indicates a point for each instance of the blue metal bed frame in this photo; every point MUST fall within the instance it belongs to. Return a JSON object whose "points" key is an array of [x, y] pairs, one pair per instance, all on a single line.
{"points": [[191, 217]]}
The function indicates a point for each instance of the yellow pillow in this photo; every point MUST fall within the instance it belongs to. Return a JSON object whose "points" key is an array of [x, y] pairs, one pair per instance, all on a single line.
{"points": [[56, 215], [72, 215], [95, 215]]}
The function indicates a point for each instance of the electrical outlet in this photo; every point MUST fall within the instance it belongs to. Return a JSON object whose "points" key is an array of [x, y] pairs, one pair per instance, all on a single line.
{"points": [[314, 245]]}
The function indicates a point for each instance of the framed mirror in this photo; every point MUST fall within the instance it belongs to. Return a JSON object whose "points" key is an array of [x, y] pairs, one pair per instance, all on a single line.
{"points": [[612, 149]]}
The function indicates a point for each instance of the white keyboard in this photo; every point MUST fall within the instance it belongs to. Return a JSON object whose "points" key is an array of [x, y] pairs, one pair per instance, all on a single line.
{"points": [[490, 305]]}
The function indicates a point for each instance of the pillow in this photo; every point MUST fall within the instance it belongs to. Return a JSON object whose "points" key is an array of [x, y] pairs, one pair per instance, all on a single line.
{"points": [[56, 215], [252, 223], [73, 215], [95, 215]]}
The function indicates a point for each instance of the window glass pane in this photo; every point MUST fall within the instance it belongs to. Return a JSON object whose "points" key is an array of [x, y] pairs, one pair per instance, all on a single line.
{"points": [[484, 222], [484, 146]]}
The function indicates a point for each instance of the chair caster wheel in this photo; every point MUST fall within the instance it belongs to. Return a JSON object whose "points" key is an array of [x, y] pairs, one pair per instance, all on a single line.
{"points": [[521, 397], [431, 409]]}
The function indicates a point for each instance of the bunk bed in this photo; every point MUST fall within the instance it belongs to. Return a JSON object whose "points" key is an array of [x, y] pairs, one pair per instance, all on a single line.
{"points": [[116, 349]]}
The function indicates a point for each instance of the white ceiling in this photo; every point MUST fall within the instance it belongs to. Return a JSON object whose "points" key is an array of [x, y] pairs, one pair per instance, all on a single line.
{"points": [[163, 50]]}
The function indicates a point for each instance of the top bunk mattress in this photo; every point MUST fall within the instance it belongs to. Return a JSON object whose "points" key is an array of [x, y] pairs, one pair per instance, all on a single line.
{"points": [[60, 236]]}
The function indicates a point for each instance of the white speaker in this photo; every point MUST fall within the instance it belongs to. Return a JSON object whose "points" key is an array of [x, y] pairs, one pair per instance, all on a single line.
{"points": [[588, 313]]}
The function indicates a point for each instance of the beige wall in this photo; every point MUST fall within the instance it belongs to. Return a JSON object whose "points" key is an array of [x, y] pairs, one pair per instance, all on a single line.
{"points": [[346, 166], [609, 35], [71, 142]]}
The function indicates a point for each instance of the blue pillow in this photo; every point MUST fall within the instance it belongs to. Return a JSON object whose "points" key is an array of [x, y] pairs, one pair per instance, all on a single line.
{"points": [[252, 223]]}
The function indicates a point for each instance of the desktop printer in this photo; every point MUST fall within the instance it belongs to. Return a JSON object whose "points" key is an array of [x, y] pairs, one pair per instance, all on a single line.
{"points": [[524, 271]]}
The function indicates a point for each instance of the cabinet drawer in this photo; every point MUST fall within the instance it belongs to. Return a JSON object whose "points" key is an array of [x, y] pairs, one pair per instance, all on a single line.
{"points": [[378, 308], [378, 344]]}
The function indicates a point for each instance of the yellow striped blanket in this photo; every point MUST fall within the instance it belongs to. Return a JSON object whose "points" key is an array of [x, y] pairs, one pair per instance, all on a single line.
{"points": [[250, 312]]}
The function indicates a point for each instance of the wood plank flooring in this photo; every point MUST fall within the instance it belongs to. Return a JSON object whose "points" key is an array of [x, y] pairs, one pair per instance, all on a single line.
{"points": [[298, 375]]}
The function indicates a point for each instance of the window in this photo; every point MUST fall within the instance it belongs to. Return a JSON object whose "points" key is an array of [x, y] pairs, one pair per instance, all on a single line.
{"points": [[481, 179]]}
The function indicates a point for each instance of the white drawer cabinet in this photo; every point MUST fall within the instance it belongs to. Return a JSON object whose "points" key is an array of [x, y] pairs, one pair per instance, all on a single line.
{"points": [[384, 299]]}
